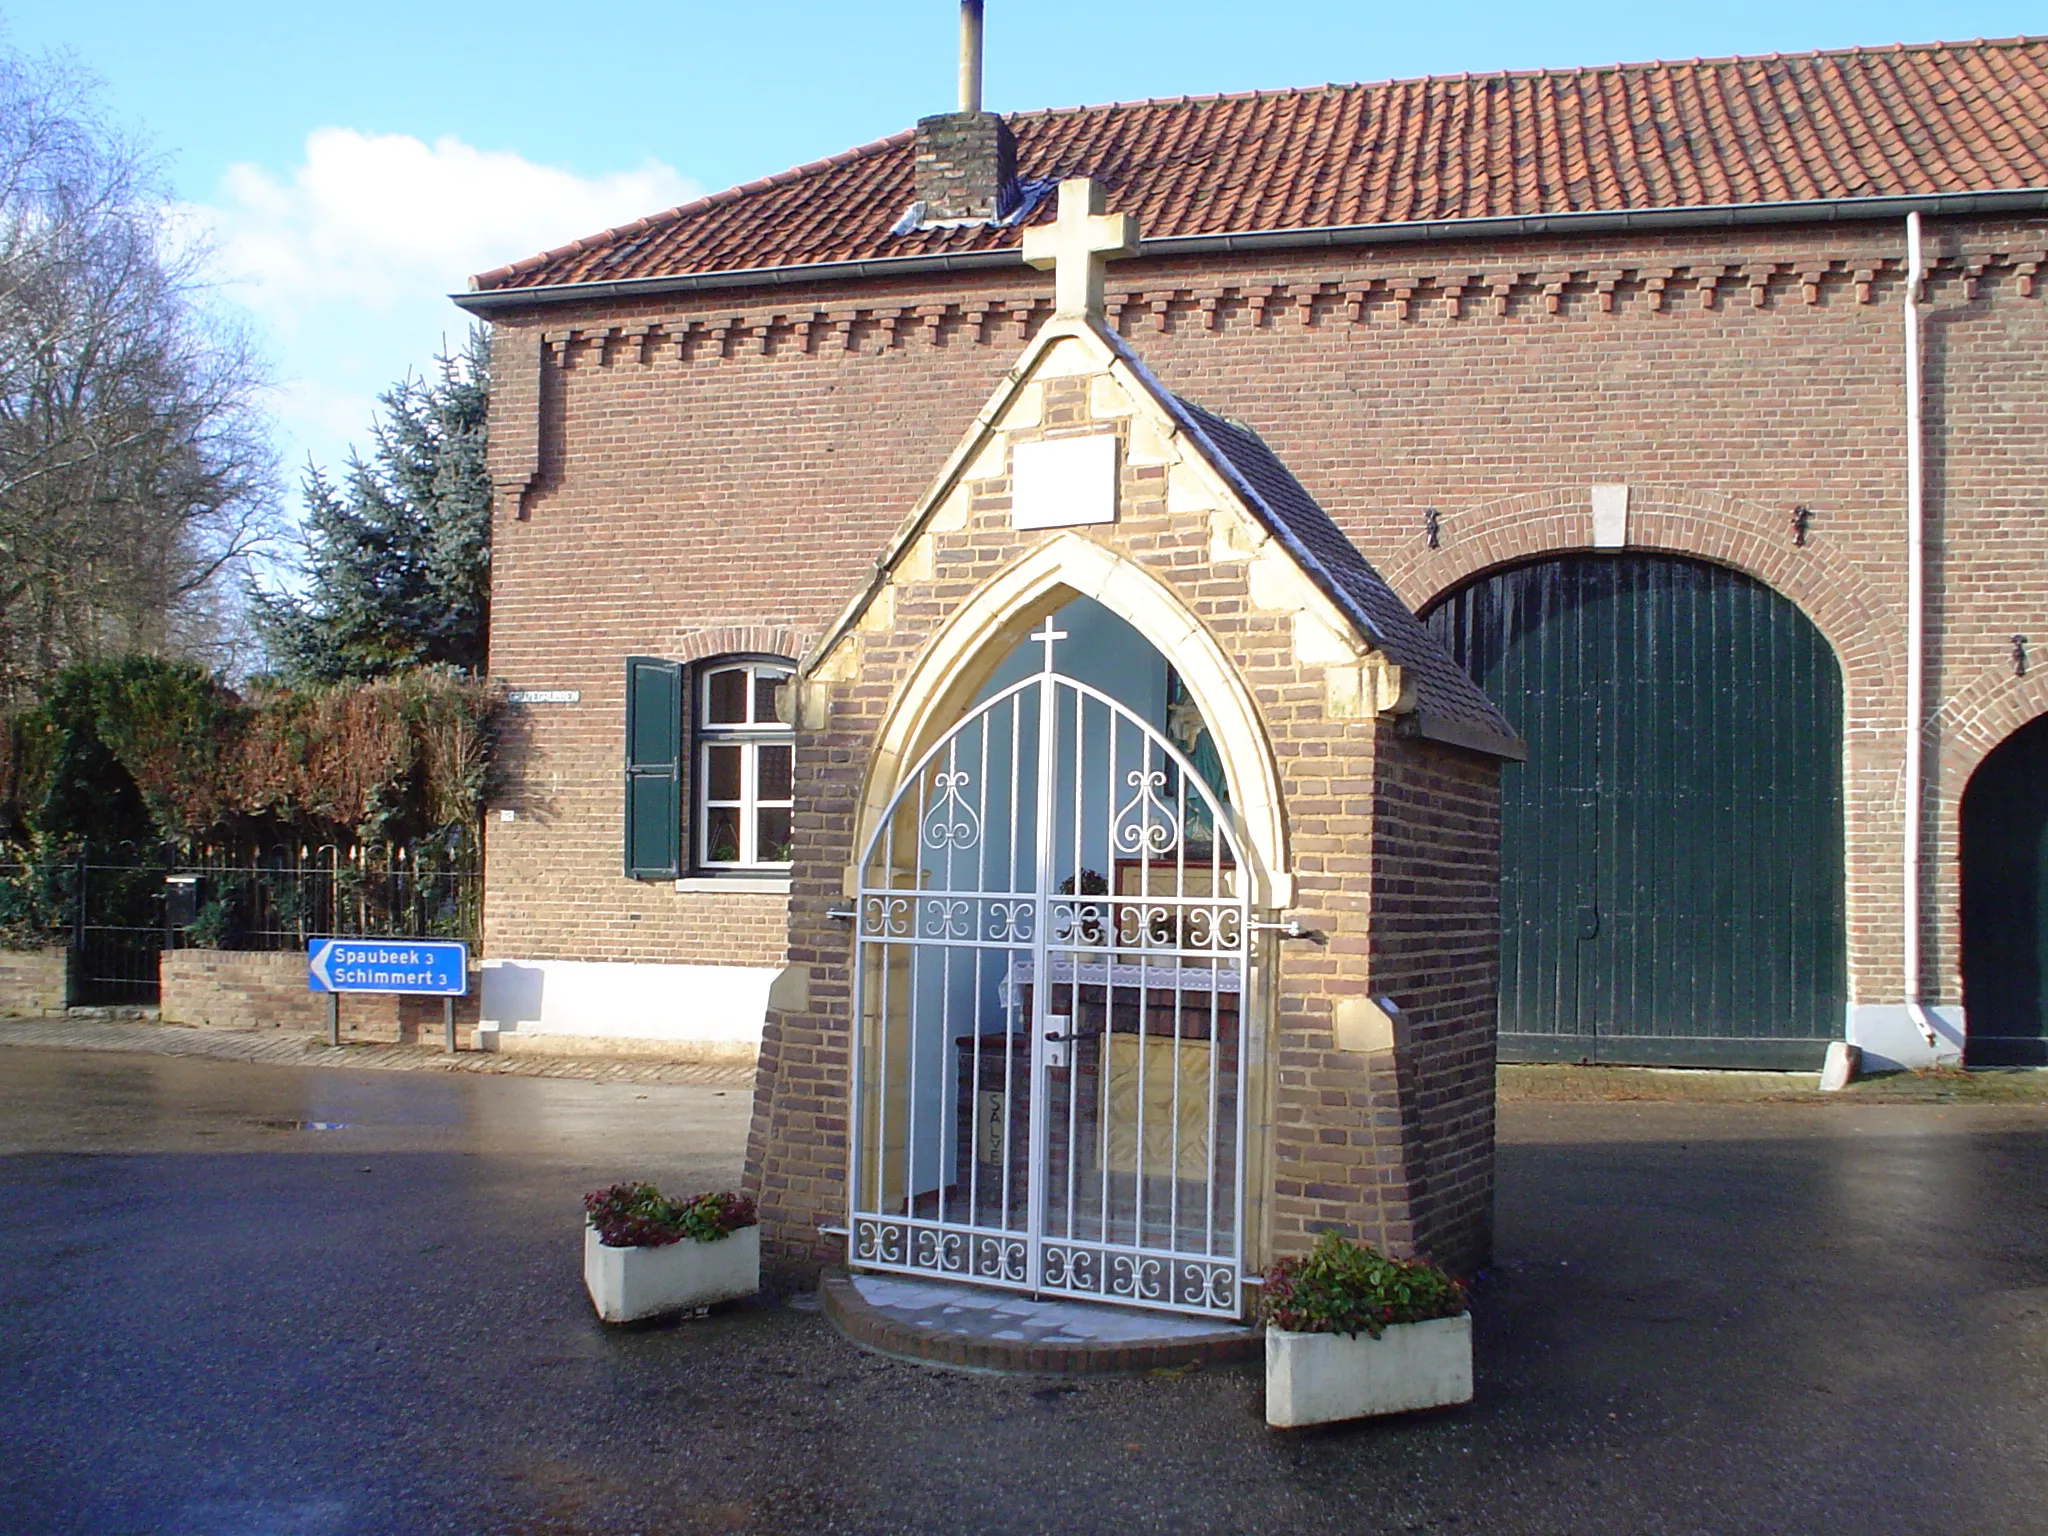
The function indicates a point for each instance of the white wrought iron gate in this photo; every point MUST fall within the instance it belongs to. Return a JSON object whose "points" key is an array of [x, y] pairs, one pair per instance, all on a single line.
{"points": [[1052, 971]]}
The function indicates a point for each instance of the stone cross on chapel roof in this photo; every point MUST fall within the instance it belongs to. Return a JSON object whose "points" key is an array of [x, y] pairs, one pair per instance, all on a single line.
{"points": [[1078, 244]]}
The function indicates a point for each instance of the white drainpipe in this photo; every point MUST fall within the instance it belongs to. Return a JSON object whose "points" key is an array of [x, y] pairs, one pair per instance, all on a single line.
{"points": [[1916, 631]]}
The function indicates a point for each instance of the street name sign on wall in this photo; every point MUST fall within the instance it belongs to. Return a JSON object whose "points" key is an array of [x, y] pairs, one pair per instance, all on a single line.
{"points": [[418, 966]]}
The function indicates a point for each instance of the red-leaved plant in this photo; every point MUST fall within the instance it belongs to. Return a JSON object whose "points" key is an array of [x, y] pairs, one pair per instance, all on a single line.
{"points": [[640, 1216]]}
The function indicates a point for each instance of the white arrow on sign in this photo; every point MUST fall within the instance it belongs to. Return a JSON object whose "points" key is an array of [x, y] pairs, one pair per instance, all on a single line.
{"points": [[318, 965]]}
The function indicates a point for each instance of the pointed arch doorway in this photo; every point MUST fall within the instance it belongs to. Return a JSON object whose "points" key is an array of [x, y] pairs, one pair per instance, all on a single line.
{"points": [[1052, 962]]}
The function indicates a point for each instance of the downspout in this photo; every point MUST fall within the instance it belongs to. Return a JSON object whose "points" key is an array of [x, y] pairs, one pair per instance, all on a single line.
{"points": [[1916, 632]]}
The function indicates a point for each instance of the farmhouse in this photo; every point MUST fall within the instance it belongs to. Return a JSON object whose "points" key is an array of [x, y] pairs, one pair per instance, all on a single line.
{"points": [[1114, 647]]}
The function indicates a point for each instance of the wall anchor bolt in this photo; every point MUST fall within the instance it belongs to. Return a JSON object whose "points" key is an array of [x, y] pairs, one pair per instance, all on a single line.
{"points": [[1433, 527], [1802, 519]]}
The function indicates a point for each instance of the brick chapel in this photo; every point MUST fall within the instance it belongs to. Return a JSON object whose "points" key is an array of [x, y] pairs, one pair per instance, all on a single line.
{"points": [[1123, 654]]}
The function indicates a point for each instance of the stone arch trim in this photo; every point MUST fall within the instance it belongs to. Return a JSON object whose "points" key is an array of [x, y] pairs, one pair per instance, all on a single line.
{"points": [[736, 640], [1861, 625], [985, 626]]}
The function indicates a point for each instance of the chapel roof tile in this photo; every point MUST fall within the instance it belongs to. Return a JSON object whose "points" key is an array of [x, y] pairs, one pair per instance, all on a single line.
{"points": [[1929, 119], [1449, 705]]}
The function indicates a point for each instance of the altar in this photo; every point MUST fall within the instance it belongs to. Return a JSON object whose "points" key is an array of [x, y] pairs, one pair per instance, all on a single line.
{"points": [[1139, 1071]]}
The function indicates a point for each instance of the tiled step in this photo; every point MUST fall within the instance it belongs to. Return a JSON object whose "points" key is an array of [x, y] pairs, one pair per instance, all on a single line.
{"points": [[992, 1330]]}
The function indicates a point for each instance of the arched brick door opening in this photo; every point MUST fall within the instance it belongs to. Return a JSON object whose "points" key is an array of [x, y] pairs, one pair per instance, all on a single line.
{"points": [[1672, 852], [2005, 902]]}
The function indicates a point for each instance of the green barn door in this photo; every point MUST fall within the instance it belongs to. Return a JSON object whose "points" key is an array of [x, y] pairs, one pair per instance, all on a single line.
{"points": [[1671, 887], [2005, 903]]}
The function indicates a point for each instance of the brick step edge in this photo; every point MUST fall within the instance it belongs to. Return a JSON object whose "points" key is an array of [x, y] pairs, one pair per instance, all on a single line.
{"points": [[874, 1329]]}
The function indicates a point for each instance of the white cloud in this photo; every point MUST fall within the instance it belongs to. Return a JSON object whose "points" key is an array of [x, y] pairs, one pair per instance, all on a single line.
{"points": [[346, 262]]}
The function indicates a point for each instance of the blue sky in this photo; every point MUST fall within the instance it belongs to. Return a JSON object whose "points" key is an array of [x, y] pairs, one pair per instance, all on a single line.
{"points": [[357, 161]]}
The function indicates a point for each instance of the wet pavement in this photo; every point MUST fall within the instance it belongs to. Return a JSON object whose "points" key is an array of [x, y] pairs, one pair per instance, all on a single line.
{"points": [[216, 1320]]}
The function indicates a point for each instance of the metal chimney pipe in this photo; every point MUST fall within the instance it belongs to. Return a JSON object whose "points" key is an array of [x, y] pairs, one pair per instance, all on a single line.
{"points": [[970, 55]]}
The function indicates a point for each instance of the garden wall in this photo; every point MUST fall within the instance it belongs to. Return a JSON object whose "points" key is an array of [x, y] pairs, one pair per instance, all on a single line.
{"points": [[32, 982], [239, 989]]}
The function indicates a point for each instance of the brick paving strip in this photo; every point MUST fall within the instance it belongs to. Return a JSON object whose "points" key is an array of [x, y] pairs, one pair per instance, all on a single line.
{"points": [[283, 1048]]}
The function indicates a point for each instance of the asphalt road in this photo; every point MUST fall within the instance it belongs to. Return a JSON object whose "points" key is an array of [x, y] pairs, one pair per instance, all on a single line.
{"points": [[1705, 1317]]}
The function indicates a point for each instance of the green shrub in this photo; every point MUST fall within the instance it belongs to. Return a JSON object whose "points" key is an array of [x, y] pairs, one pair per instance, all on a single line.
{"points": [[1345, 1287]]}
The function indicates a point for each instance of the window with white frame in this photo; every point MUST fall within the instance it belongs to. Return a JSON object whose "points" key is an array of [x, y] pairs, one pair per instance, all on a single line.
{"points": [[745, 759]]}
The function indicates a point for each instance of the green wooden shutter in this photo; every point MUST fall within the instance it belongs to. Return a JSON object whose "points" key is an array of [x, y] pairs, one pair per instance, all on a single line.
{"points": [[654, 769]]}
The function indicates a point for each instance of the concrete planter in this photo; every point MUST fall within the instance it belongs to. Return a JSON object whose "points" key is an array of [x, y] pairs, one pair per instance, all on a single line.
{"points": [[626, 1284], [1319, 1378]]}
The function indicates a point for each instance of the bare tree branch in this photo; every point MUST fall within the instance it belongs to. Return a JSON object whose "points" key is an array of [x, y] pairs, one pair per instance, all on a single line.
{"points": [[135, 466]]}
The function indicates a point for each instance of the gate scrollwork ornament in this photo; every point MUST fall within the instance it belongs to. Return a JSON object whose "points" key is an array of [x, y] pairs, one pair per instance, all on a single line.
{"points": [[1136, 1276], [885, 917], [946, 917], [1012, 922], [878, 1242], [945, 1252], [1145, 823], [1001, 1258], [952, 822]]}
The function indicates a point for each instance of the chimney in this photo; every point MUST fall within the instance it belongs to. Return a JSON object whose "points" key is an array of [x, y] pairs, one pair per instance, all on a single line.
{"points": [[966, 161]]}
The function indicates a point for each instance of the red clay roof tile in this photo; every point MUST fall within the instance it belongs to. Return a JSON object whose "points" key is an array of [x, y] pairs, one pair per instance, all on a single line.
{"points": [[1937, 118]]}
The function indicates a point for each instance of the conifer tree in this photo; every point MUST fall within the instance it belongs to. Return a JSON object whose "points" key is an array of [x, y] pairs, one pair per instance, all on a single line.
{"points": [[397, 569]]}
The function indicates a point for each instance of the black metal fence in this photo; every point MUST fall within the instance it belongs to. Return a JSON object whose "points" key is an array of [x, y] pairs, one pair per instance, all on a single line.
{"points": [[119, 908]]}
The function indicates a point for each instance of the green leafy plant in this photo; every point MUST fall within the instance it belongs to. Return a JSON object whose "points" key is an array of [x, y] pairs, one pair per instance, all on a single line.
{"points": [[631, 1215], [1340, 1286]]}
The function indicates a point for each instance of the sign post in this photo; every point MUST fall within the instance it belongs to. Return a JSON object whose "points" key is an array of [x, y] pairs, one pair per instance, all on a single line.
{"points": [[408, 967]]}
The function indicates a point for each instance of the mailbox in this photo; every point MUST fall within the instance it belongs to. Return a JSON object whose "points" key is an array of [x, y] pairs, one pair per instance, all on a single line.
{"points": [[181, 900]]}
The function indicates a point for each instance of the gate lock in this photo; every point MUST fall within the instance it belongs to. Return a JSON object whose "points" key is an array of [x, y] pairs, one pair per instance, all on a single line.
{"points": [[1059, 1040]]}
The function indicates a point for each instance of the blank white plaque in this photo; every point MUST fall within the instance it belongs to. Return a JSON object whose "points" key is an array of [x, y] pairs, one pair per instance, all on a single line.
{"points": [[1610, 517], [1063, 482]]}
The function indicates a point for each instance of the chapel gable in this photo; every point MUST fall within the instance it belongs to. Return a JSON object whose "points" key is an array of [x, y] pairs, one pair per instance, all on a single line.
{"points": [[1127, 783]]}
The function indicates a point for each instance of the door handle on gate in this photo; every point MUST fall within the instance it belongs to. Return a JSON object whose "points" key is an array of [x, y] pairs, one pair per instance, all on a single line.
{"points": [[1056, 1037]]}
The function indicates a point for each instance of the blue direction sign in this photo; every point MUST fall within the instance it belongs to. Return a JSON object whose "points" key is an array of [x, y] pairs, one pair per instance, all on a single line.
{"points": [[423, 966]]}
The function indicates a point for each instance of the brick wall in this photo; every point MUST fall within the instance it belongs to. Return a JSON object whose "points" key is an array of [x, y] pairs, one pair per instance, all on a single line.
{"points": [[33, 982], [678, 470], [233, 989], [1435, 946]]}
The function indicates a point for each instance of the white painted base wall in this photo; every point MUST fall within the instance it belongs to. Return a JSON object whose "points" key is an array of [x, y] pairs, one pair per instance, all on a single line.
{"points": [[1890, 1040], [707, 1013]]}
